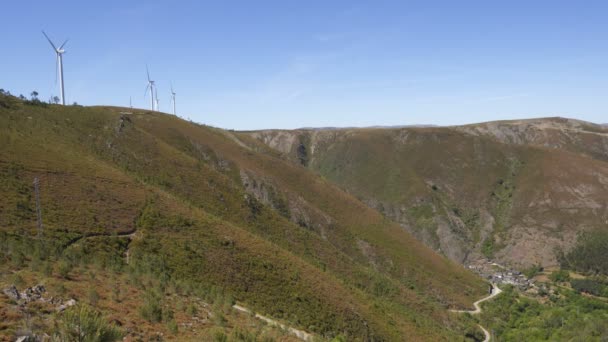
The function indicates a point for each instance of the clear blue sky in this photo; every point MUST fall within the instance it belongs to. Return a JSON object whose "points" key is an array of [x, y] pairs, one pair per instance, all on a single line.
{"points": [[288, 64]]}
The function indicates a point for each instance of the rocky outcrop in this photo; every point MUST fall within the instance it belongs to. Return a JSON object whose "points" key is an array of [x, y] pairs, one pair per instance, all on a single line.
{"points": [[12, 293], [291, 206]]}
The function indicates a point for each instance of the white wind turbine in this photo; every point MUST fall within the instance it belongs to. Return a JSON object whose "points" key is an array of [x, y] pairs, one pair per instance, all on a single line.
{"points": [[59, 51], [157, 100], [173, 99], [151, 86]]}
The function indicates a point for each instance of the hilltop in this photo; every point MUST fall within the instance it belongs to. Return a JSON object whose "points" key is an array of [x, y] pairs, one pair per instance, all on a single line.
{"points": [[154, 212], [518, 192]]}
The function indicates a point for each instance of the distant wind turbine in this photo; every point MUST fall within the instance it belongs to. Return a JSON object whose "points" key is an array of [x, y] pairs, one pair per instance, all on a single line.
{"points": [[173, 99], [151, 87], [157, 100], [59, 51]]}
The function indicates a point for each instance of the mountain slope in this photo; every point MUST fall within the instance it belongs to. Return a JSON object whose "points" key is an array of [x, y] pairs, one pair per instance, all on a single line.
{"points": [[511, 191], [208, 210]]}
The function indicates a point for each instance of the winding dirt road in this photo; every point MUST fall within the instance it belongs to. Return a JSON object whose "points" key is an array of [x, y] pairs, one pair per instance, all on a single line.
{"points": [[495, 292]]}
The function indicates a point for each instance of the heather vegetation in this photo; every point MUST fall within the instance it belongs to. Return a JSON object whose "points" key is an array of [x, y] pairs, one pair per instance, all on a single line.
{"points": [[154, 214]]}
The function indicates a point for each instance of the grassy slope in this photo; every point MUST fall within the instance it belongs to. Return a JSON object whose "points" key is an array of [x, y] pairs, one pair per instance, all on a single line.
{"points": [[100, 171], [495, 192]]}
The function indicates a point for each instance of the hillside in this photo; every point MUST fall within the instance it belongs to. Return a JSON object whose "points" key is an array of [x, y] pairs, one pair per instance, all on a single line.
{"points": [[511, 191], [173, 212]]}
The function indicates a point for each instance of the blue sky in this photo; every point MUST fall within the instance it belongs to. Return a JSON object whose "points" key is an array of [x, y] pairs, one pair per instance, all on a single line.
{"points": [[288, 64]]}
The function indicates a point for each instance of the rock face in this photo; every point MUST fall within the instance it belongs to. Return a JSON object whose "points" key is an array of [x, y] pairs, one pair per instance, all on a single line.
{"points": [[67, 304], [512, 191], [12, 293], [30, 294]]}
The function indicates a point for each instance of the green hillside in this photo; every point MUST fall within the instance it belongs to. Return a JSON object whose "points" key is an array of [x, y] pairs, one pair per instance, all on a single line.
{"points": [[167, 219], [511, 191]]}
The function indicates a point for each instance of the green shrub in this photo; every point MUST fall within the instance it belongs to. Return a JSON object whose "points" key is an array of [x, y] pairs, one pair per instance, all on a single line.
{"points": [[191, 309], [93, 297], [18, 280], [172, 326], [560, 276], [82, 323], [487, 247], [588, 285], [151, 310], [64, 268], [532, 271], [220, 336], [220, 319]]}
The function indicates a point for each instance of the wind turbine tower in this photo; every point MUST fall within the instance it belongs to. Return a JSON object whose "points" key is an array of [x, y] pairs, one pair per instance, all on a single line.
{"points": [[156, 97], [59, 51], [173, 99], [151, 86]]}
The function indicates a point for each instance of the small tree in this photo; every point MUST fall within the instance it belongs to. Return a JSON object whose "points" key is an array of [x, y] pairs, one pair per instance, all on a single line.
{"points": [[34, 95], [55, 99]]}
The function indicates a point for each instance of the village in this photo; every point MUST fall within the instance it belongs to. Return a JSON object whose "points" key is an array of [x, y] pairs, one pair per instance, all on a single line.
{"points": [[499, 274]]}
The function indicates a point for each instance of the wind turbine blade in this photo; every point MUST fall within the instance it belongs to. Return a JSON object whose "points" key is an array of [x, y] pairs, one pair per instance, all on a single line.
{"points": [[49, 39], [63, 44], [148, 73], [146, 91]]}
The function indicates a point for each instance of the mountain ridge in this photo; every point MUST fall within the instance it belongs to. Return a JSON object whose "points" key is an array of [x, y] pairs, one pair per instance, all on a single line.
{"points": [[490, 189]]}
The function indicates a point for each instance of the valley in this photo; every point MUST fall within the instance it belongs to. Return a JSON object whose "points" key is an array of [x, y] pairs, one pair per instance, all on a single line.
{"points": [[157, 228]]}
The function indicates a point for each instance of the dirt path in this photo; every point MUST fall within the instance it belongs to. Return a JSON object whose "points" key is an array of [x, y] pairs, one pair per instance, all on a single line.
{"points": [[303, 335], [485, 332], [128, 234], [495, 292]]}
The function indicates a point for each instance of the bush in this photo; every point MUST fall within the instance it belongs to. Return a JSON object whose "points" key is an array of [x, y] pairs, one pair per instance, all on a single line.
{"points": [[93, 297], [64, 269], [191, 310], [18, 280], [560, 276], [151, 310], [532, 271], [83, 323], [172, 326], [588, 285], [219, 336]]}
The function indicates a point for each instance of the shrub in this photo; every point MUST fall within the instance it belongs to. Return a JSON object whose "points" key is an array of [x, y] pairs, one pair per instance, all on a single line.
{"points": [[82, 323], [587, 285], [64, 269], [151, 310], [220, 336], [18, 280], [191, 310], [532, 271], [560, 276], [172, 326], [93, 297]]}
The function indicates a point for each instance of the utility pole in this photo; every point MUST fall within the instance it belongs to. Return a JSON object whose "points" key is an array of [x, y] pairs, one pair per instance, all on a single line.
{"points": [[38, 209]]}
